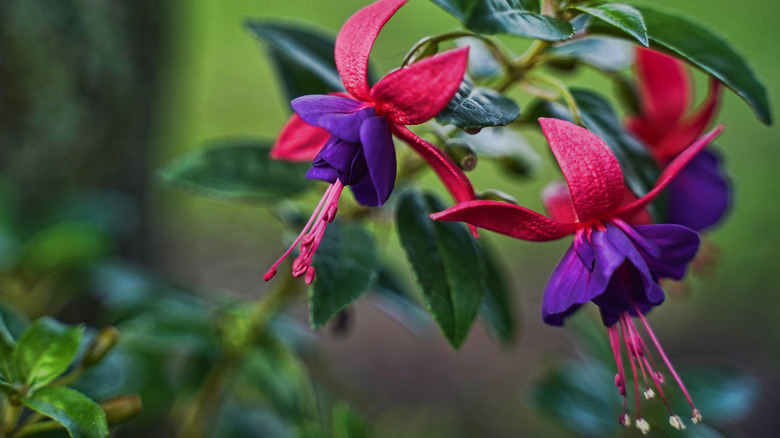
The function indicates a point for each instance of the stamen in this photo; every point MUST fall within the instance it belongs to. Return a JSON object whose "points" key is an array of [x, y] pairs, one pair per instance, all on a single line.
{"points": [[643, 426], [626, 334], [311, 235], [676, 422], [696, 418], [624, 420], [666, 360]]}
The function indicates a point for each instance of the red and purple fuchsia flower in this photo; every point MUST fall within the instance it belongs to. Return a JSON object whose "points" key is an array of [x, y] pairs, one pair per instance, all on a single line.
{"points": [[349, 135], [611, 262], [698, 197]]}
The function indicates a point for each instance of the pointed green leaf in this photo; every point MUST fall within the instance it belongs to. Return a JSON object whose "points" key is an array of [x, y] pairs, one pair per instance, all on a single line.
{"points": [[514, 17], [80, 416], [624, 17], [497, 308], [237, 170], [303, 58], [704, 48], [345, 264], [605, 53], [473, 108], [45, 350], [446, 264]]}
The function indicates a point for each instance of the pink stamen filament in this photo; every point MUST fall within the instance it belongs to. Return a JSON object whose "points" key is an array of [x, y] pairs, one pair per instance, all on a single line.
{"points": [[323, 214], [620, 381], [648, 363], [624, 330], [665, 359]]}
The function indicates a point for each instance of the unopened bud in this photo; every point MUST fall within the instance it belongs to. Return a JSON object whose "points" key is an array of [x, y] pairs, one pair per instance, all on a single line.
{"points": [[696, 417], [424, 48], [122, 408], [496, 195], [103, 342], [676, 422], [643, 426], [461, 153]]}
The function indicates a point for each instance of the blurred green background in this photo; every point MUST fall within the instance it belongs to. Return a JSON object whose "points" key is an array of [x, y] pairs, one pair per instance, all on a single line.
{"points": [[177, 74]]}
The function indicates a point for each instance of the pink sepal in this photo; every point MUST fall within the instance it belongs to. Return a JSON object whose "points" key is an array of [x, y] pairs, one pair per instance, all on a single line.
{"points": [[589, 166], [509, 219], [686, 131], [298, 141], [631, 209], [664, 86], [415, 94], [354, 42], [557, 202]]}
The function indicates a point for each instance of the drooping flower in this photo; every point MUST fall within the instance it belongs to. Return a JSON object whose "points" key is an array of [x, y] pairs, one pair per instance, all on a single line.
{"points": [[610, 262], [349, 135], [698, 197]]}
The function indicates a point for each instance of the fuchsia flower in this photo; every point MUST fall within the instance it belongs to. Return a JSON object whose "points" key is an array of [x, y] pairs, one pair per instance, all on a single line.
{"points": [[610, 262], [349, 136], [698, 197]]}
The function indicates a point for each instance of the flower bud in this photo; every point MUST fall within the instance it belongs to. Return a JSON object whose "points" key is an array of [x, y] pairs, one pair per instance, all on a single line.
{"points": [[462, 153], [103, 342], [122, 408]]}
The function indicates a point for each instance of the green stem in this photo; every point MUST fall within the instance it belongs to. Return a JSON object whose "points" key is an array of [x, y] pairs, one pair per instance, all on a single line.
{"points": [[565, 94], [527, 61], [498, 53]]}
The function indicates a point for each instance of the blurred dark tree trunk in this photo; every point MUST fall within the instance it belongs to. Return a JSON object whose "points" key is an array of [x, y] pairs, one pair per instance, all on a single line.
{"points": [[77, 80]]}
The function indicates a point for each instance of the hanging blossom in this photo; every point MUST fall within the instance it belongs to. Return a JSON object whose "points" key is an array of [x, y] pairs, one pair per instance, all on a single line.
{"points": [[611, 262], [349, 135], [698, 197]]}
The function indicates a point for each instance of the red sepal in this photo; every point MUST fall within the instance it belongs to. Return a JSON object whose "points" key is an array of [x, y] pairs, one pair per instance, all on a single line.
{"points": [[509, 219], [633, 208], [415, 94], [354, 42], [589, 166], [298, 141], [664, 87]]}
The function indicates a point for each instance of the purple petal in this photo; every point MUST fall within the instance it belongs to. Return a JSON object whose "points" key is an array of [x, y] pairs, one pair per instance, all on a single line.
{"points": [[573, 283], [379, 154], [699, 194], [645, 287], [626, 289], [322, 172], [341, 116], [339, 154], [677, 244]]}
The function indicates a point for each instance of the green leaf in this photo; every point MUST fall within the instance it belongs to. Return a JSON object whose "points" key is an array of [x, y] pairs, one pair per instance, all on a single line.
{"points": [[81, 416], [723, 394], [473, 108], [624, 17], [446, 264], [239, 170], [514, 17], [577, 394], [65, 245], [392, 298], [345, 264], [347, 423], [45, 350], [605, 53], [497, 307], [707, 50], [303, 58]]}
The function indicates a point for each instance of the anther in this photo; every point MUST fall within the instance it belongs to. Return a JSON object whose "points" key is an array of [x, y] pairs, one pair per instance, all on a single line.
{"points": [[270, 274], [696, 417], [649, 394], [309, 275], [676, 422], [331, 213], [643, 426], [624, 420]]}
